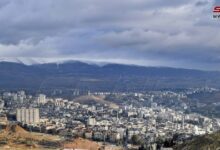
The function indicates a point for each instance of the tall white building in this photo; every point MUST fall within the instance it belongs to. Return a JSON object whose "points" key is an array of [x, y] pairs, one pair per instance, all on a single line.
{"points": [[28, 116], [2, 103], [41, 99], [91, 121]]}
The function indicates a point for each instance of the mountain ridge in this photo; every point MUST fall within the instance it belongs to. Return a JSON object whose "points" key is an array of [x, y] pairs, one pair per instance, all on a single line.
{"points": [[81, 75], [41, 61]]}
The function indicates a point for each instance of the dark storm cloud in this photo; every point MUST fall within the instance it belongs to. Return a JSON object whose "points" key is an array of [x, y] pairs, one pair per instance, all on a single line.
{"points": [[202, 3], [147, 32]]}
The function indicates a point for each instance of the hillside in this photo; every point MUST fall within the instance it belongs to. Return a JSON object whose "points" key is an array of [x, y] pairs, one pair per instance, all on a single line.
{"points": [[110, 77], [16, 138], [206, 142], [94, 100]]}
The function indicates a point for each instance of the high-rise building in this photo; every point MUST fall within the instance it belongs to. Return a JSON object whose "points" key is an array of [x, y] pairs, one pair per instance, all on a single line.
{"points": [[41, 99], [2, 103], [28, 116]]}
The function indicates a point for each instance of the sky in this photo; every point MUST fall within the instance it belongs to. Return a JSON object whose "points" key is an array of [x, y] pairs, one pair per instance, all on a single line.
{"points": [[174, 33]]}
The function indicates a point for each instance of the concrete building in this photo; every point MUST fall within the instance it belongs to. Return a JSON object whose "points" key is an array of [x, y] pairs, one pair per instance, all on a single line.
{"points": [[2, 103], [28, 116], [3, 119], [91, 121], [41, 99]]}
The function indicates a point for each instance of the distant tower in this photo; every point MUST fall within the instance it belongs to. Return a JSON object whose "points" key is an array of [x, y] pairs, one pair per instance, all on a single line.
{"points": [[183, 121], [117, 117], [41, 99], [152, 98]]}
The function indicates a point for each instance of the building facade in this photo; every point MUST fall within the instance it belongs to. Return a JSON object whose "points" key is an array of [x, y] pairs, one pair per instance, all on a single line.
{"points": [[28, 116]]}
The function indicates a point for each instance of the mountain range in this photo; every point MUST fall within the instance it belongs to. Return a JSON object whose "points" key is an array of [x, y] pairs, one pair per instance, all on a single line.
{"points": [[108, 77]]}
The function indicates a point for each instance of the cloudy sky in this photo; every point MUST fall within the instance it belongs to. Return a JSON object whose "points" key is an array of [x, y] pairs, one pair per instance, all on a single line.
{"points": [[175, 33]]}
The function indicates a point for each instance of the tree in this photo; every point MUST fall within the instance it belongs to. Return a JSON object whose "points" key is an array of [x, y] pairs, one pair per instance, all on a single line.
{"points": [[136, 140]]}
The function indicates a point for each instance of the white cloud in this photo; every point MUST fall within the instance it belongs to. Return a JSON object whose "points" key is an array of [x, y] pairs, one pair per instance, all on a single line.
{"points": [[156, 32]]}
